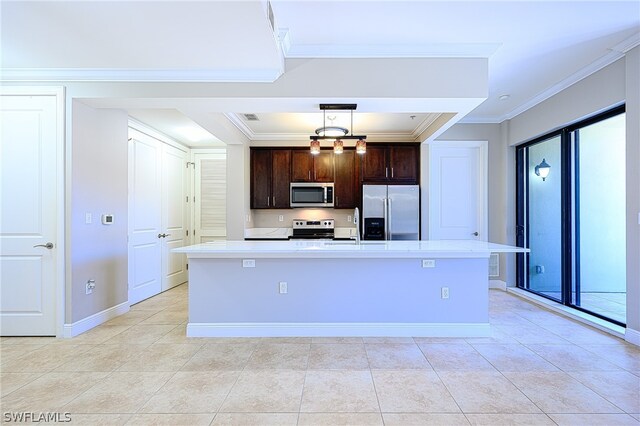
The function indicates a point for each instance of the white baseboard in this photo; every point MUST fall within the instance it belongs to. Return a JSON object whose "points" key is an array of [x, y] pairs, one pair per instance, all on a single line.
{"points": [[632, 336], [498, 284], [78, 327], [337, 330]]}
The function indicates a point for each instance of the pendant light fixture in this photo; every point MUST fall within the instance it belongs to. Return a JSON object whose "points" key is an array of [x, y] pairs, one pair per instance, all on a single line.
{"points": [[336, 133]]}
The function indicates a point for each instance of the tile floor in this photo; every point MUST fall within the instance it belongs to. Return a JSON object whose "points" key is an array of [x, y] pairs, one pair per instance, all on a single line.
{"points": [[609, 304], [139, 369]]}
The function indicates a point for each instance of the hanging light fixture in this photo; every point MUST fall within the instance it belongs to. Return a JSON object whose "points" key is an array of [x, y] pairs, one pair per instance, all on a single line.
{"points": [[336, 133], [542, 169], [315, 147]]}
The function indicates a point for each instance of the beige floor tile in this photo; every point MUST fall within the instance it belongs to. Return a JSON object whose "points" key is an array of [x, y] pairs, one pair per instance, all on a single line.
{"points": [[170, 419], [636, 416], [339, 391], [531, 334], [167, 316], [260, 391], [572, 358], [425, 340], [119, 393], [557, 392], [9, 382], [192, 392], [99, 419], [593, 419], [162, 357], [285, 340], [247, 419], [578, 334], [486, 392], [497, 336], [625, 355], [391, 419], [36, 340], [337, 340], [234, 340], [509, 419], [513, 357], [104, 358], [333, 356], [141, 334], [99, 334], [388, 340], [45, 358], [403, 391], [220, 356], [618, 387], [130, 318], [50, 391], [179, 335], [292, 356], [340, 419], [9, 352], [455, 357], [396, 357]]}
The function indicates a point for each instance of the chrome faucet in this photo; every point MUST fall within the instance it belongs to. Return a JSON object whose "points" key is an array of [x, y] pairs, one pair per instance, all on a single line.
{"points": [[356, 222]]}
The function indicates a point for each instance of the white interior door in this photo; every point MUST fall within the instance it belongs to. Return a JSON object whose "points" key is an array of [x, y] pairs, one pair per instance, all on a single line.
{"points": [[145, 224], [211, 197], [175, 215], [458, 190], [28, 219]]}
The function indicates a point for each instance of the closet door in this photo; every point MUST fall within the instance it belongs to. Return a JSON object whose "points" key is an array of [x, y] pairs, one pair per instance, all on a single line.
{"points": [[145, 219], [175, 215], [210, 197]]}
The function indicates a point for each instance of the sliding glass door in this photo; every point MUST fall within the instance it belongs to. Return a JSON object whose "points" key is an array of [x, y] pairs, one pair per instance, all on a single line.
{"points": [[571, 215]]}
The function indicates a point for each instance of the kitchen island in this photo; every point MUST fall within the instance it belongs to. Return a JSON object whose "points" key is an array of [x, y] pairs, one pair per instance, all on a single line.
{"points": [[339, 288]]}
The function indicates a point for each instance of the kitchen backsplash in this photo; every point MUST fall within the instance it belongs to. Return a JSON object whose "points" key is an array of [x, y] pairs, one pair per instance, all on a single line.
{"points": [[270, 218]]}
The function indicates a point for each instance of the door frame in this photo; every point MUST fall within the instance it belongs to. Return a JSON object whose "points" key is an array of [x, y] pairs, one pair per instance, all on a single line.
{"points": [[63, 176], [483, 179]]}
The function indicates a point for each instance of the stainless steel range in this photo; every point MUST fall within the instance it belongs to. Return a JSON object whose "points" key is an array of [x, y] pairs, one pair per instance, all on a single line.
{"points": [[313, 229]]}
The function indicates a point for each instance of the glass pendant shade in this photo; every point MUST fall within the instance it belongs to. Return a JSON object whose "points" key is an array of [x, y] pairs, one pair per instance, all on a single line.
{"points": [[315, 147], [338, 146], [361, 146]]}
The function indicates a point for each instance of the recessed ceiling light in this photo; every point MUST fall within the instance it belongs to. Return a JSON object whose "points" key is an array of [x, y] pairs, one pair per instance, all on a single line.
{"points": [[504, 97]]}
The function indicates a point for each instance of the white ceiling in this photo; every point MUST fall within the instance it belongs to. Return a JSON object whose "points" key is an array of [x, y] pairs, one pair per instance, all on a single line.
{"points": [[534, 48]]}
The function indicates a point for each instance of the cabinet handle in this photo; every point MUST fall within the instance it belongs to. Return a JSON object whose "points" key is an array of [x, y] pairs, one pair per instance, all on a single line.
{"points": [[274, 201], [309, 174], [392, 173], [337, 203], [386, 172], [268, 201]]}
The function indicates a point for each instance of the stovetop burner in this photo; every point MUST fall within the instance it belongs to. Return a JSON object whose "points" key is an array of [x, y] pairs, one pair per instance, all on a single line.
{"points": [[313, 229]]}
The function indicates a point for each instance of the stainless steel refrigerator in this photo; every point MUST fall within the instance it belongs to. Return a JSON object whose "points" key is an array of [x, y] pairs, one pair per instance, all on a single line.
{"points": [[391, 212]]}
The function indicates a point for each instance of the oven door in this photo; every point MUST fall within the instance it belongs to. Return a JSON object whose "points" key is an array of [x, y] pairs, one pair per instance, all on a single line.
{"points": [[311, 194]]}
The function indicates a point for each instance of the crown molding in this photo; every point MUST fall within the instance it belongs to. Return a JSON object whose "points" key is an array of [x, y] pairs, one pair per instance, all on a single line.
{"points": [[434, 50], [140, 75], [424, 125], [628, 44]]}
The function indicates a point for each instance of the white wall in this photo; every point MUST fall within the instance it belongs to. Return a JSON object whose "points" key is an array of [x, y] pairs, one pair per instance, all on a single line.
{"points": [[98, 186], [238, 169]]}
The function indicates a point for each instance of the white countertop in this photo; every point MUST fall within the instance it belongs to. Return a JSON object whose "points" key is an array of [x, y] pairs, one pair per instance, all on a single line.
{"points": [[346, 249]]}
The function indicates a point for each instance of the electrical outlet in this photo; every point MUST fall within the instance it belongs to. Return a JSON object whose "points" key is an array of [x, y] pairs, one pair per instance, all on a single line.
{"points": [[247, 218], [283, 287], [349, 219], [428, 263], [444, 292], [280, 218], [91, 284], [248, 263]]}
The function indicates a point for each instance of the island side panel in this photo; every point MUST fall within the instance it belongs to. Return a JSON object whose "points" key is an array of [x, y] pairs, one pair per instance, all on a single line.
{"points": [[336, 291]]}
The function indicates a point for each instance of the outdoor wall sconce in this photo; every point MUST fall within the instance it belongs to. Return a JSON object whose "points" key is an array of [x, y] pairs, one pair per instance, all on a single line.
{"points": [[542, 169]]}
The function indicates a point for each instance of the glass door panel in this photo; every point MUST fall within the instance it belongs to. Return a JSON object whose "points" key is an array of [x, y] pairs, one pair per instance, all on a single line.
{"points": [[600, 265], [544, 217]]}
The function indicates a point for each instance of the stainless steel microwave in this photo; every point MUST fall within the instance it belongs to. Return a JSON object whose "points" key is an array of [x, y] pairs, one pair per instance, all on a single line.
{"points": [[308, 194]]}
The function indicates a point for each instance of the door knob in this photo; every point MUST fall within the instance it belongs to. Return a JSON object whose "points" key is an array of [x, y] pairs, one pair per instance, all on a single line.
{"points": [[161, 235], [47, 246], [475, 234]]}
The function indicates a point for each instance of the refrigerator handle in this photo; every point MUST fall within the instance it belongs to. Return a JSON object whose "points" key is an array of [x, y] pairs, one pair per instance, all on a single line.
{"points": [[389, 216], [385, 217]]}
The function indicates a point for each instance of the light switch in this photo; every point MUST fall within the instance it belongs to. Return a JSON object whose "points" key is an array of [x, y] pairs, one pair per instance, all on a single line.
{"points": [[428, 263], [248, 263]]}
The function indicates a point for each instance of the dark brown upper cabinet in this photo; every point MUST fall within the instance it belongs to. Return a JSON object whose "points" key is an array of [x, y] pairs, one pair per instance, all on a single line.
{"points": [[306, 167], [396, 163], [346, 188], [270, 171]]}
